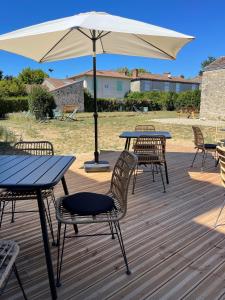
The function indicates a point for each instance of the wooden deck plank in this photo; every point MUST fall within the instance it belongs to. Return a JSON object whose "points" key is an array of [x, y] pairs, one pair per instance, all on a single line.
{"points": [[168, 236]]}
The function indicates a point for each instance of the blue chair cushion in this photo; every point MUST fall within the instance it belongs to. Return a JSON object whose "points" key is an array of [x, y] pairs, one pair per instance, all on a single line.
{"points": [[210, 146], [88, 203]]}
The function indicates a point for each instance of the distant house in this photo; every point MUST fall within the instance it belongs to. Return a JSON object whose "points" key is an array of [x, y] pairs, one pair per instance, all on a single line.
{"points": [[213, 90], [110, 84], [66, 91], [145, 82]]}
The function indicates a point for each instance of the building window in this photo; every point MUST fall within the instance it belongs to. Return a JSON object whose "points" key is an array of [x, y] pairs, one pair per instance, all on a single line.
{"points": [[177, 87], [106, 86], [119, 86], [166, 86]]}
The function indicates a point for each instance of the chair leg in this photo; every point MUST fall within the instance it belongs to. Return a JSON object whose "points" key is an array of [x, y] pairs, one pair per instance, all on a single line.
{"points": [[166, 171], [111, 230], [60, 255], [13, 211], [134, 178], [2, 207], [120, 238], [49, 220], [161, 173], [204, 154], [19, 281], [194, 157], [153, 172]]}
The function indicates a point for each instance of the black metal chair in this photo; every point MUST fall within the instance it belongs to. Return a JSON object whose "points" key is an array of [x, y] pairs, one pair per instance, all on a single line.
{"points": [[88, 208], [202, 146], [12, 197], [9, 251], [151, 152]]}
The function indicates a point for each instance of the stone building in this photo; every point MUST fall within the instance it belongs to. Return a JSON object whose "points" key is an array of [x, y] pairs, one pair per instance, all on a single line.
{"points": [[145, 82], [213, 90], [66, 91]]}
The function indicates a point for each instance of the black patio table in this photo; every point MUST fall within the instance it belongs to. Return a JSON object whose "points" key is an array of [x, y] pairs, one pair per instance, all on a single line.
{"points": [[128, 135], [36, 173]]}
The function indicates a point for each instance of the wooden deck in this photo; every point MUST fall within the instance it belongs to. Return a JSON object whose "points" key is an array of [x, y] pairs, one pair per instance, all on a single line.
{"points": [[173, 250]]}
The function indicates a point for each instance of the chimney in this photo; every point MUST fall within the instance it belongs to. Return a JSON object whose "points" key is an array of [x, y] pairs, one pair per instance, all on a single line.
{"points": [[135, 73], [167, 74]]}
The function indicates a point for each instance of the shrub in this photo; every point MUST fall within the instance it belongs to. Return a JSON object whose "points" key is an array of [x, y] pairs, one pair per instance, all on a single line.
{"points": [[41, 102], [14, 87], [154, 100], [188, 99], [13, 104]]}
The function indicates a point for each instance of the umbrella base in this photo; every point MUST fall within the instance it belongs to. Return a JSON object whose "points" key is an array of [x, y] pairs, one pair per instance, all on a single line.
{"points": [[92, 166]]}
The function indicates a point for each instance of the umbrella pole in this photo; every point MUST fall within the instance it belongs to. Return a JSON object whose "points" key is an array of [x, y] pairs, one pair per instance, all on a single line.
{"points": [[96, 165], [96, 153]]}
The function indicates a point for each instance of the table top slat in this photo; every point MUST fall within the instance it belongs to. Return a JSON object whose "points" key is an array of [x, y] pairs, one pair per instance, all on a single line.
{"points": [[21, 165], [33, 172], [27, 171], [40, 171], [11, 164], [137, 134], [53, 173]]}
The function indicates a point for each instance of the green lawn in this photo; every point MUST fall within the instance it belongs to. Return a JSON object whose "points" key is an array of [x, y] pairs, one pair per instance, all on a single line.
{"points": [[78, 136]]}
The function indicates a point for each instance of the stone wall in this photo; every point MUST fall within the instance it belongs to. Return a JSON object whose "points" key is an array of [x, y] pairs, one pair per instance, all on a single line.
{"points": [[70, 94], [213, 95]]}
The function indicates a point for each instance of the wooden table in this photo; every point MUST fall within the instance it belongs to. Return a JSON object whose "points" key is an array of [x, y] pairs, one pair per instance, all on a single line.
{"points": [[128, 135], [36, 173]]}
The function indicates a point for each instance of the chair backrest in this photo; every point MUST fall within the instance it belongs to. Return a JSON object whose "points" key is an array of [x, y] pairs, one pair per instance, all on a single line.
{"points": [[221, 157], [144, 128], [120, 180], [150, 149], [34, 148], [198, 137]]}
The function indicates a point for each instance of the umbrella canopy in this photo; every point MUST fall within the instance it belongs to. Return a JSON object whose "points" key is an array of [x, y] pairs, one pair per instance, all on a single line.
{"points": [[90, 34], [64, 38]]}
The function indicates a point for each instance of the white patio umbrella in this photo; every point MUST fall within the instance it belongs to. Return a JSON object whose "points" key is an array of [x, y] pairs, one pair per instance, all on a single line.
{"points": [[90, 34]]}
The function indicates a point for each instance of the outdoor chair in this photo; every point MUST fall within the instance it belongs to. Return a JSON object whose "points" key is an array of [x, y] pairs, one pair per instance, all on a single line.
{"points": [[144, 128], [72, 115], [9, 251], [151, 152], [57, 114], [12, 197], [89, 208], [202, 146], [221, 158]]}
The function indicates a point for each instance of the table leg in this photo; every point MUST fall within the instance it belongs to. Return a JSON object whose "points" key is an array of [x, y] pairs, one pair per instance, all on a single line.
{"points": [[127, 144], [46, 245], [67, 193], [64, 186]]}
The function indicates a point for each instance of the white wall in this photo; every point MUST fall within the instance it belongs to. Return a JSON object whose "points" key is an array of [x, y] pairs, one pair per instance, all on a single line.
{"points": [[108, 87]]}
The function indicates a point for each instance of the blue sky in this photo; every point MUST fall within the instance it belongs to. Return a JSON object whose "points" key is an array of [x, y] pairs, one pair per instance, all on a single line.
{"points": [[204, 19]]}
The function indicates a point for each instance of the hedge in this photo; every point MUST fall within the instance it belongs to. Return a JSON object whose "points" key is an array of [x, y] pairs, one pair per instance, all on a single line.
{"points": [[13, 104], [154, 100]]}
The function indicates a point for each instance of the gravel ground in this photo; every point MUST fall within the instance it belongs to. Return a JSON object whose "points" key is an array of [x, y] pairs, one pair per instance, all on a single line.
{"points": [[186, 121]]}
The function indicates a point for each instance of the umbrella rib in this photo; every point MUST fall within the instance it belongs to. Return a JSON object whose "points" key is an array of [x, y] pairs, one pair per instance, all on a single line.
{"points": [[62, 38], [170, 56]]}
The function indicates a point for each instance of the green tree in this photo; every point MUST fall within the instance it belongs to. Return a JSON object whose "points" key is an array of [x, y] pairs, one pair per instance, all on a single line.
{"points": [[1, 74], [205, 63], [31, 76]]}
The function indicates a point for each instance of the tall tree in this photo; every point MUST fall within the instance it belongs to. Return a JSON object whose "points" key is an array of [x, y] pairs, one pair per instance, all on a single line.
{"points": [[205, 63], [1, 74], [31, 76]]}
